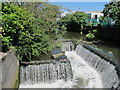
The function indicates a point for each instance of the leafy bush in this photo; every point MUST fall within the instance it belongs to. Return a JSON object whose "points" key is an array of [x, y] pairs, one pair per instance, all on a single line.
{"points": [[30, 35], [90, 36], [112, 11], [74, 21], [94, 31]]}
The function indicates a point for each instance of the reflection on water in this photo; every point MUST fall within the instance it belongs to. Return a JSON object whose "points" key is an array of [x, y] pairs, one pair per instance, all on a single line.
{"points": [[49, 55], [108, 47], [43, 57], [115, 50]]}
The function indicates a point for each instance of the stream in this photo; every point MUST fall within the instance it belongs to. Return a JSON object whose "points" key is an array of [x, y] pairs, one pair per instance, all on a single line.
{"points": [[87, 73], [110, 48]]}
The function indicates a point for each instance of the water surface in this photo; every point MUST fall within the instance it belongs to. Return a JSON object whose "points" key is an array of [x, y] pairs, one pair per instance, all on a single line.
{"points": [[108, 47]]}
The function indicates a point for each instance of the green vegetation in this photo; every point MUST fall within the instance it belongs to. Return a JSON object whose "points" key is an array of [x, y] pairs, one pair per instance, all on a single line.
{"points": [[48, 13], [91, 35], [112, 10], [110, 22], [75, 21], [30, 31], [31, 28]]}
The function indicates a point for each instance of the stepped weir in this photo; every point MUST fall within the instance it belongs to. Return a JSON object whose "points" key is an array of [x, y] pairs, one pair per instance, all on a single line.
{"points": [[109, 75], [45, 71], [68, 46], [51, 70]]}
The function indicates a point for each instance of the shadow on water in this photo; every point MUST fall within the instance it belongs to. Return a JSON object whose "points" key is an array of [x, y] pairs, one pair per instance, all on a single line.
{"points": [[49, 56], [43, 57], [73, 35]]}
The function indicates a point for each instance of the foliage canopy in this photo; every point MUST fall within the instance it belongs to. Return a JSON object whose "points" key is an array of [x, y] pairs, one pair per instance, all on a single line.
{"points": [[74, 21], [27, 30], [112, 10]]}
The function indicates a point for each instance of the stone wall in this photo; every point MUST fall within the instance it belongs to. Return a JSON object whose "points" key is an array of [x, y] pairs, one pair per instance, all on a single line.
{"points": [[9, 65]]}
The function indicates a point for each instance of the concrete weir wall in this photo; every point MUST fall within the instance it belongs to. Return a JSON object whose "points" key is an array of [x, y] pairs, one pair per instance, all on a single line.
{"points": [[103, 64], [9, 68]]}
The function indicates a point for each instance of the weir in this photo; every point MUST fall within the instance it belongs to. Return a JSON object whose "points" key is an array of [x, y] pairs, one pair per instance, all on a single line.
{"points": [[109, 76], [50, 71], [45, 71], [68, 46]]}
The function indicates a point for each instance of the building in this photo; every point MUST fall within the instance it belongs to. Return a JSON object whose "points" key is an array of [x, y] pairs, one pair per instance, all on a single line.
{"points": [[95, 15], [66, 13]]}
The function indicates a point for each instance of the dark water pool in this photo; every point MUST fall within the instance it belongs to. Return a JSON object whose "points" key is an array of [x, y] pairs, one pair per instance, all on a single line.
{"points": [[49, 55], [73, 35]]}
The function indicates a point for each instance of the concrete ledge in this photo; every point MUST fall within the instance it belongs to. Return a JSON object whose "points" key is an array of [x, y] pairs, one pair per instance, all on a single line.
{"points": [[103, 65], [112, 60], [44, 62], [2, 55], [9, 69]]}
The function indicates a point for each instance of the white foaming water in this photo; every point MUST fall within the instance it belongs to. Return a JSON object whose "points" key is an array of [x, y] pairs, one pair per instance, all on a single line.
{"points": [[82, 70], [84, 76], [56, 84]]}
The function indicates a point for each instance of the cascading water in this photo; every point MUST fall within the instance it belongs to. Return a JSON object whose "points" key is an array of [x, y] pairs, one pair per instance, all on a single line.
{"points": [[68, 46], [108, 73], [77, 72], [46, 72]]}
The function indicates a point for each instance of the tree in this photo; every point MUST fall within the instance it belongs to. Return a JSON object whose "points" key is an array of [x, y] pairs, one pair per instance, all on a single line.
{"points": [[75, 21], [114, 0], [112, 10], [24, 31], [46, 12]]}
